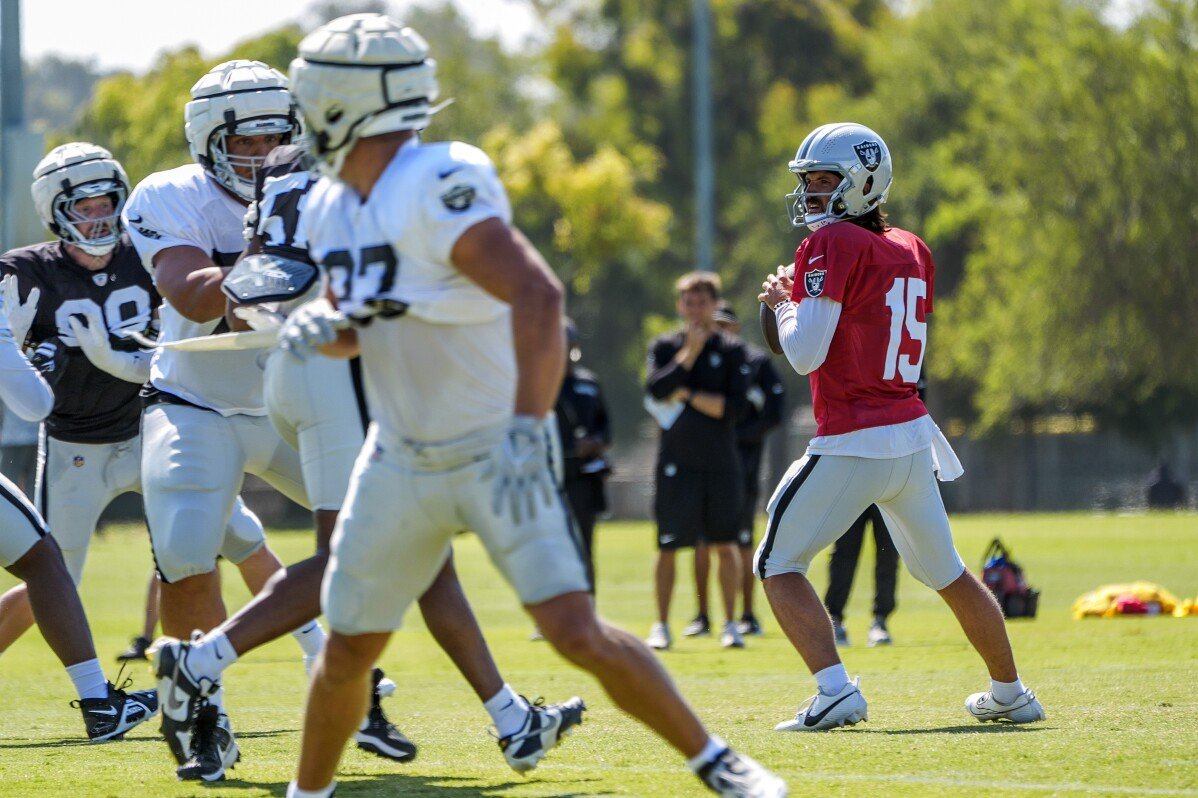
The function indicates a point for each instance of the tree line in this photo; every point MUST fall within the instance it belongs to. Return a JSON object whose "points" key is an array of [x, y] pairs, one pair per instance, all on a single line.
{"points": [[1045, 149]]}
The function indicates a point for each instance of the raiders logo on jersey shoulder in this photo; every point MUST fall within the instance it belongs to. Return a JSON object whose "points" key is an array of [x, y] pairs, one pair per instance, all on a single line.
{"points": [[458, 198]]}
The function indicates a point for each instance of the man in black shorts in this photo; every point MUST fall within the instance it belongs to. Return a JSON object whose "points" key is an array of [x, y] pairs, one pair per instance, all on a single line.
{"points": [[697, 383]]}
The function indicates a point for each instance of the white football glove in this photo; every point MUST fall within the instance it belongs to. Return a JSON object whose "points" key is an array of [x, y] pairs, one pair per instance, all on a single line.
{"points": [[93, 340], [20, 316], [520, 468], [311, 326]]}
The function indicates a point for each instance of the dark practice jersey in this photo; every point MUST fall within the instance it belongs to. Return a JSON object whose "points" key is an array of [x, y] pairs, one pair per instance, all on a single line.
{"points": [[581, 413], [697, 441], [284, 182], [90, 405], [763, 410]]}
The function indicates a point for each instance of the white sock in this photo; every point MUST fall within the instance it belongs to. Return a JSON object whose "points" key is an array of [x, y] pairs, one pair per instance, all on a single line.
{"points": [[1006, 692], [508, 711], [310, 637], [296, 792], [715, 746], [832, 679], [210, 655], [309, 663], [89, 679]]}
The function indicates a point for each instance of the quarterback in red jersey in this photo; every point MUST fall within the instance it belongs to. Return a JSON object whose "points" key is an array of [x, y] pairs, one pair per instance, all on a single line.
{"points": [[854, 318]]}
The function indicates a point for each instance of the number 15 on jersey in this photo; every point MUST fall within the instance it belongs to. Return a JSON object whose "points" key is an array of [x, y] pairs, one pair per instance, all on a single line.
{"points": [[903, 299]]}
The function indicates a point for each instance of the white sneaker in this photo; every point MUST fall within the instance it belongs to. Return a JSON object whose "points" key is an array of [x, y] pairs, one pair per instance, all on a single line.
{"points": [[731, 636], [659, 637], [879, 635], [829, 711], [1024, 709], [734, 775]]}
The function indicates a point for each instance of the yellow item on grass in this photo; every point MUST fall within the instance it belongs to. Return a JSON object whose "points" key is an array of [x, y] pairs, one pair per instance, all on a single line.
{"points": [[1104, 602]]}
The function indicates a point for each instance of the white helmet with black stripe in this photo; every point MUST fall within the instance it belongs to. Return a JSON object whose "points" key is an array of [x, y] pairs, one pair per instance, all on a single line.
{"points": [[861, 159], [237, 98], [69, 174], [362, 75]]}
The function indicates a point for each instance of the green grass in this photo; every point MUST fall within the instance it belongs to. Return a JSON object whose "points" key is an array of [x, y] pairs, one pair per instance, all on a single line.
{"points": [[1120, 697]]}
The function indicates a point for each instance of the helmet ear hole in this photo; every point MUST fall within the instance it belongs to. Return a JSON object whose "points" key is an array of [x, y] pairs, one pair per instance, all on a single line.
{"points": [[869, 185]]}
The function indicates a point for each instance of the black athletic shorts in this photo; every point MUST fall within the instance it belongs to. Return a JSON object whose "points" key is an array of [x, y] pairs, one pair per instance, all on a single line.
{"points": [[696, 506]]}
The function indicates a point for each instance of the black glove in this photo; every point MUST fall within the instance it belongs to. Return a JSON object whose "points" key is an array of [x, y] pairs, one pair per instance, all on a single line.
{"points": [[50, 358]]}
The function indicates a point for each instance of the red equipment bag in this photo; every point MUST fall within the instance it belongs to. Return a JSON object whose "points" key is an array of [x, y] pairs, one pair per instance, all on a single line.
{"points": [[1005, 580]]}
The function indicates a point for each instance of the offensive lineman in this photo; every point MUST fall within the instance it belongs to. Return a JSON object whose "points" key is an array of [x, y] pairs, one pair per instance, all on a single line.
{"points": [[463, 355], [318, 406], [854, 319], [204, 413], [28, 552], [83, 291]]}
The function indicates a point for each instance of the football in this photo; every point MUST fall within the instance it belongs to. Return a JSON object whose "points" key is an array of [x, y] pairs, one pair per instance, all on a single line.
{"points": [[769, 328]]}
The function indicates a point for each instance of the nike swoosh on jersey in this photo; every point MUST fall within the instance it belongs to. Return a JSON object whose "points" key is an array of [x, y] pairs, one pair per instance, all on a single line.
{"points": [[134, 219], [813, 720], [448, 172], [813, 260]]}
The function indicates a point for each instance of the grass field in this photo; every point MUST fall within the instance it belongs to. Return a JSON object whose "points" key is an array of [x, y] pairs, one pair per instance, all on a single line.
{"points": [[1120, 694]]}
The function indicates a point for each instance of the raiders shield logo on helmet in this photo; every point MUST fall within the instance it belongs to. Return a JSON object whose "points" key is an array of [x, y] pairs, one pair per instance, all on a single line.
{"points": [[814, 282], [870, 154]]}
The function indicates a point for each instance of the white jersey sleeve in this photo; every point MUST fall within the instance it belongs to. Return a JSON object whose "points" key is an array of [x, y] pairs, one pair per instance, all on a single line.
{"points": [[460, 189], [162, 213], [21, 387]]}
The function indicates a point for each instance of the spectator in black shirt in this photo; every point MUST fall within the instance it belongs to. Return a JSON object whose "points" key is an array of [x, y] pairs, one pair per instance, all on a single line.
{"points": [[582, 423], [697, 384], [766, 400]]}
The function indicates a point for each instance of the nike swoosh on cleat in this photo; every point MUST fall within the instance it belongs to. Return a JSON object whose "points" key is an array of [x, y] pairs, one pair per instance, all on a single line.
{"points": [[814, 720], [103, 712]]}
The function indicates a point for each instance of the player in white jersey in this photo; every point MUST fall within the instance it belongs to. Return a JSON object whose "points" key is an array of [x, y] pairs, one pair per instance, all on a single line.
{"points": [[83, 291], [462, 351], [319, 408], [28, 552], [205, 421]]}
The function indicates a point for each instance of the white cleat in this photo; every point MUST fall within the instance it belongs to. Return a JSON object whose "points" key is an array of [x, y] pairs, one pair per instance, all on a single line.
{"points": [[734, 775], [1024, 709], [731, 637], [659, 637], [829, 711]]}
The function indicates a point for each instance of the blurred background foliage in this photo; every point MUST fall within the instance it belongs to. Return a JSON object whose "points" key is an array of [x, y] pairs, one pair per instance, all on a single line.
{"points": [[1045, 149]]}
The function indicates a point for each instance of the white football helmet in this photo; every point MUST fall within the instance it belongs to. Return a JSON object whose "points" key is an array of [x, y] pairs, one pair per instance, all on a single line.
{"points": [[362, 75], [70, 173], [854, 152], [237, 98]]}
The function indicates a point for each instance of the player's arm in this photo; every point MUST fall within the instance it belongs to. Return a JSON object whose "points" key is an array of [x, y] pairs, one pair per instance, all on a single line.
{"points": [[345, 345], [188, 279], [506, 265], [21, 386], [806, 328], [666, 374]]}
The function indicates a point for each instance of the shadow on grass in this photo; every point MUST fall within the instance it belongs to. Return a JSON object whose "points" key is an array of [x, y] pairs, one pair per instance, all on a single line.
{"points": [[409, 785], [977, 728], [31, 745]]}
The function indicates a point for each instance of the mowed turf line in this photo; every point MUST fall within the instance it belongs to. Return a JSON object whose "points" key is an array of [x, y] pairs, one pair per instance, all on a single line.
{"points": [[1122, 712]]}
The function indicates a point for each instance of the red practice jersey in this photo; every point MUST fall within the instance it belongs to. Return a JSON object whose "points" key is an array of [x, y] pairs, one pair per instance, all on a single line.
{"points": [[883, 283]]}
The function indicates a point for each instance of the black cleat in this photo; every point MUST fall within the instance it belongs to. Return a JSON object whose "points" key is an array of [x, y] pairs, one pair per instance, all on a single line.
{"points": [[377, 734], [749, 625], [180, 694], [213, 747], [109, 718], [135, 651], [543, 729]]}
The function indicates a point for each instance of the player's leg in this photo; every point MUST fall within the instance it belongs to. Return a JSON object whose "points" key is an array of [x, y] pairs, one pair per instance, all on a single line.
{"points": [[679, 518], [842, 566], [141, 643], [749, 624], [701, 623], [885, 579], [542, 559], [722, 497], [819, 497], [28, 552], [920, 530], [391, 542], [71, 487]]}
